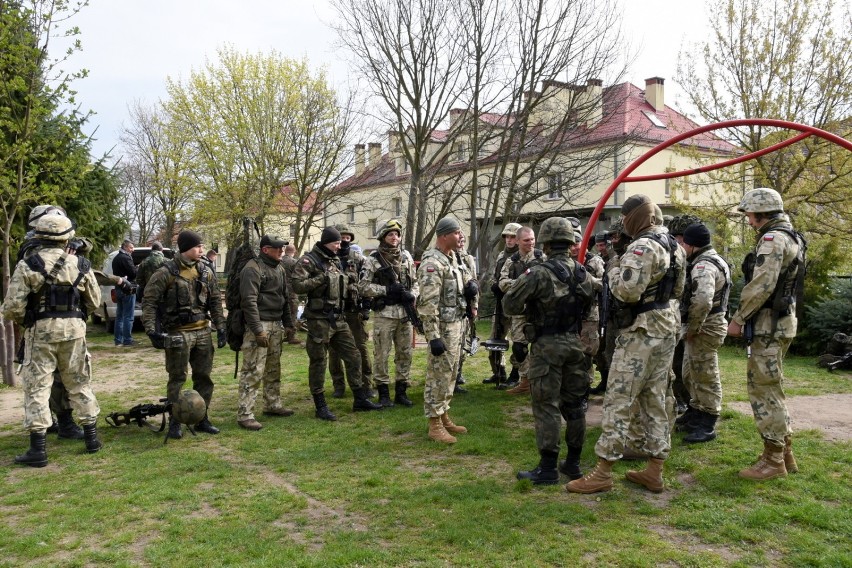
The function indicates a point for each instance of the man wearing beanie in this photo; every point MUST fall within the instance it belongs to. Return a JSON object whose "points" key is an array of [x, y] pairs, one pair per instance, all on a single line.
{"points": [[389, 280], [705, 303], [648, 275], [320, 276], [444, 294], [501, 323], [184, 293]]}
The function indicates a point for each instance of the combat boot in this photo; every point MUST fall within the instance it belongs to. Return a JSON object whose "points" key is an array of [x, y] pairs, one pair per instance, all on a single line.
{"points": [[36, 456], [438, 433], [66, 427], [323, 413], [450, 427], [362, 403], [175, 429], [571, 465], [339, 391], [90, 435], [601, 388], [769, 465], [545, 473], [459, 378], [789, 460], [511, 381], [54, 427], [651, 477], [688, 421], [596, 481], [206, 427], [495, 378], [522, 387], [705, 429], [401, 397], [384, 396]]}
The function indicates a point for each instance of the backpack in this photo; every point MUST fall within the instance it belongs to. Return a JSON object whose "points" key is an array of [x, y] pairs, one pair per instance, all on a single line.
{"points": [[238, 259]]}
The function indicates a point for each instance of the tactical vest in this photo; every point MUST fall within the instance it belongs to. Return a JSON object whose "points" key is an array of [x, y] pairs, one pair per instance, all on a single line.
{"points": [[53, 300], [328, 299], [720, 297], [519, 267], [566, 309], [186, 301], [451, 303], [386, 276]]}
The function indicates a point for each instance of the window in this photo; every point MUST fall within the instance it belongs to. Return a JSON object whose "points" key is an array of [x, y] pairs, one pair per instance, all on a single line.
{"points": [[396, 206], [350, 213], [292, 230], [554, 186], [371, 227], [654, 119], [668, 190], [458, 152]]}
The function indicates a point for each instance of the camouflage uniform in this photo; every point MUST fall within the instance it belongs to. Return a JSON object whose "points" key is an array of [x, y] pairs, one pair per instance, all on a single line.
{"points": [[263, 300], [708, 282], [185, 297], [289, 264], [54, 342], [643, 354], [512, 270], [441, 306], [147, 268], [468, 265], [590, 333], [496, 358]]}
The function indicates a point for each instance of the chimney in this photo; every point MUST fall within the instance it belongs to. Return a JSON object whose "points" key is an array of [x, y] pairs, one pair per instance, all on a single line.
{"points": [[654, 93], [594, 98], [375, 154], [359, 159]]}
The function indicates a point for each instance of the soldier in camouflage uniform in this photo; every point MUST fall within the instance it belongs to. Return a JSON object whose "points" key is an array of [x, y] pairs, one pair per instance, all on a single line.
{"points": [[526, 257], [389, 280], [263, 301], [444, 294], [356, 312], [555, 295], [184, 295], [501, 323], [50, 294], [288, 261], [590, 331], [649, 274], [708, 284], [774, 274], [149, 266], [468, 264], [320, 276]]}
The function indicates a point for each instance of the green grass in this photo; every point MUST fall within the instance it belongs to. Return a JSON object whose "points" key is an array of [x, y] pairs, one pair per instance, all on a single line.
{"points": [[372, 490]]}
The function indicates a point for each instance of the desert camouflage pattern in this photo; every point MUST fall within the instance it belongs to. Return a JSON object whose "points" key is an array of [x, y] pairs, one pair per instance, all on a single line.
{"points": [[392, 334], [496, 358], [369, 287], [261, 366], [761, 200], [468, 266], [590, 333], [765, 388]]}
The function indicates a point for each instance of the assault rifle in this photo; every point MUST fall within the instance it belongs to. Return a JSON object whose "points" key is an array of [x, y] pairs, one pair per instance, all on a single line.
{"points": [[604, 306], [844, 362], [140, 414], [410, 310], [498, 343], [474, 340], [748, 335]]}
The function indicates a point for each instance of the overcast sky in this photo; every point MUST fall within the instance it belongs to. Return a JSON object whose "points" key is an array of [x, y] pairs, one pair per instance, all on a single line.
{"points": [[130, 47]]}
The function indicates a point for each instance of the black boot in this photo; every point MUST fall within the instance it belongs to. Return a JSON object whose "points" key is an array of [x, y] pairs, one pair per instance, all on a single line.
{"points": [[206, 427], [401, 397], [512, 381], [601, 388], [571, 465], [459, 378], [362, 403], [175, 430], [53, 428], [705, 429], [323, 413], [90, 434], [339, 391], [36, 456], [545, 473], [67, 428], [688, 421], [458, 389], [384, 396]]}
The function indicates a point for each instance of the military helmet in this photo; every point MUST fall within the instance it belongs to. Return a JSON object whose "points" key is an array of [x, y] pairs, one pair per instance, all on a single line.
{"points": [[391, 225], [510, 230], [54, 228], [556, 229], [190, 408], [40, 211], [679, 223], [761, 200], [617, 226], [343, 229]]}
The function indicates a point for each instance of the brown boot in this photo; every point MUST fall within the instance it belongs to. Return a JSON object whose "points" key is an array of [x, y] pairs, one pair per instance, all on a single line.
{"points": [[522, 388], [597, 480], [768, 466], [651, 477], [450, 427], [438, 433], [789, 460], [250, 424]]}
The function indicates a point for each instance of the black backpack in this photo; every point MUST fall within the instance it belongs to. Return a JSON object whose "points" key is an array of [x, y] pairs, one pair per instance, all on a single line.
{"points": [[238, 259]]}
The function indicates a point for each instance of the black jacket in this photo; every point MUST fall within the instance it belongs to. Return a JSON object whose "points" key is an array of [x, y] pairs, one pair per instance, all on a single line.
{"points": [[122, 265]]}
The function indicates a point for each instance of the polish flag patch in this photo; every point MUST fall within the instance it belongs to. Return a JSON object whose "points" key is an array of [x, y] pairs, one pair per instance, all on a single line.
{"points": [[430, 268], [638, 252], [768, 237]]}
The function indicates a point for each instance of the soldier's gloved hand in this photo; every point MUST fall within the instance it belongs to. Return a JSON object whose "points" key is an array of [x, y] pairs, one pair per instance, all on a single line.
{"points": [[158, 340], [365, 315], [394, 291], [407, 296], [126, 286], [471, 289], [437, 347], [261, 339], [221, 337]]}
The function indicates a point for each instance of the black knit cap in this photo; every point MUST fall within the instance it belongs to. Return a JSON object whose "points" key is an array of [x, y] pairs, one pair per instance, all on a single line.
{"points": [[696, 235], [329, 235], [187, 240]]}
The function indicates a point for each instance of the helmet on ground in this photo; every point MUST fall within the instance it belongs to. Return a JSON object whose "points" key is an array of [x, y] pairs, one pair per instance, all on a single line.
{"points": [[556, 229], [389, 226], [510, 230], [40, 211], [761, 200], [344, 230], [190, 408], [54, 228]]}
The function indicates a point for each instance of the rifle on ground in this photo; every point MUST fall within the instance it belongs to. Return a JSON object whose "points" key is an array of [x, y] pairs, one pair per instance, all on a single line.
{"points": [[140, 414], [844, 362]]}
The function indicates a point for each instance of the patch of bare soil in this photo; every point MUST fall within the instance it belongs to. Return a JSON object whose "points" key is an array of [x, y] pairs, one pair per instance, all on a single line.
{"points": [[687, 541], [829, 413]]}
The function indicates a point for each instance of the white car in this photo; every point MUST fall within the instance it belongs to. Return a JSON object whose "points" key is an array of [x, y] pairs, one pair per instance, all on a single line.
{"points": [[106, 311]]}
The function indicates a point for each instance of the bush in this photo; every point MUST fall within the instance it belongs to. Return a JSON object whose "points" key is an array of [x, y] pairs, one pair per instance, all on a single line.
{"points": [[829, 315]]}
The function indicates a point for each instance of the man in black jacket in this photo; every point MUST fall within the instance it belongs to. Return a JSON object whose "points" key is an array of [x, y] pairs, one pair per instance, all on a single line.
{"points": [[125, 304]]}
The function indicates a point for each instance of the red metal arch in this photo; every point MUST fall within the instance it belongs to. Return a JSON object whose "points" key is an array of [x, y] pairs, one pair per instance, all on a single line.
{"points": [[805, 130]]}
